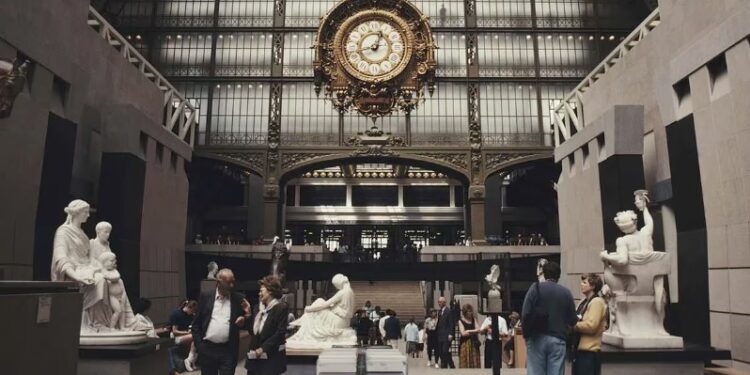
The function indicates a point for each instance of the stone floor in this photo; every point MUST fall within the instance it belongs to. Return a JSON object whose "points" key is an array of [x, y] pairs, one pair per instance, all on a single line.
{"points": [[417, 366]]}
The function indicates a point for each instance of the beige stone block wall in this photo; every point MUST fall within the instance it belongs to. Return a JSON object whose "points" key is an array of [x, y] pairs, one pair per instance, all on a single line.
{"points": [[691, 34]]}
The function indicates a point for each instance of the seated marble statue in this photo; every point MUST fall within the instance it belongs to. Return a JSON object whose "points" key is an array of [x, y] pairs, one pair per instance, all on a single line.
{"points": [[635, 276], [327, 322], [115, 288], [72, 261]]}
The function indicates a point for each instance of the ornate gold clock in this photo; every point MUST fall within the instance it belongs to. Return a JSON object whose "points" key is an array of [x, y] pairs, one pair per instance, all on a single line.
{"points": [[374, 56]]}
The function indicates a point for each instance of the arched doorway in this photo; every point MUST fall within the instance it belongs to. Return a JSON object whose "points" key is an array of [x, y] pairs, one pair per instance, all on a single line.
{"points": [[366, 209]]}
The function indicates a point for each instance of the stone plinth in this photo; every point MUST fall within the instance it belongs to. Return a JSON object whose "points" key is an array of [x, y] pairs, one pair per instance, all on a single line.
{"points": [[371, 360], [637, 309], [150, 357]]}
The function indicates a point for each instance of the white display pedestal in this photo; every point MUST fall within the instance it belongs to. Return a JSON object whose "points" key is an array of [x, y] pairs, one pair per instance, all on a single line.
{"points": [[343, 361]]}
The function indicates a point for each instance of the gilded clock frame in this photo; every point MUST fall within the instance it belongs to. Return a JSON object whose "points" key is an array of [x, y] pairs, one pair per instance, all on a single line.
{"points": [[373, 15]]}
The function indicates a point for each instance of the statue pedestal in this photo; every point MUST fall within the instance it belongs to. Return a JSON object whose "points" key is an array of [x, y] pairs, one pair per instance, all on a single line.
{"points": [[642, 341], [150, 357], [494, 303], [637, 322], [113, 338], [359, 360]]}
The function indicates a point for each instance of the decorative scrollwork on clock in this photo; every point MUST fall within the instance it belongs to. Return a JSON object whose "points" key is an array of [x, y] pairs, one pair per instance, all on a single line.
{"points": [[374, 56]]}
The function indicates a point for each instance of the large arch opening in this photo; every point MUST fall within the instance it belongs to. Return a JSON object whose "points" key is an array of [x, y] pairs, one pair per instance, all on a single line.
{"points": [[521, 204], [374, 208]]}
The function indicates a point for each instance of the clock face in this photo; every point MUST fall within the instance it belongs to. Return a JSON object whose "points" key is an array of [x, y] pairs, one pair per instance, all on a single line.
{"points": [[375, 48]]}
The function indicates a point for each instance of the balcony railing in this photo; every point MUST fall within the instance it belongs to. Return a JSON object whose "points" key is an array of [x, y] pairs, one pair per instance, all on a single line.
{"points": [[567, 117], [180, 116]]}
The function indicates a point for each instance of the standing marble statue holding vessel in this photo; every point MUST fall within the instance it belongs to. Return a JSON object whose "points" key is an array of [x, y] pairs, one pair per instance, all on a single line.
{"points": [[74, 259], [326, 322], [635, 275], [279, 258]]}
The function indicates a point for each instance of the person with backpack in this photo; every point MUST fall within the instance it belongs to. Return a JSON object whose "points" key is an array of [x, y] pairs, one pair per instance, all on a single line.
{"points": [[547, 316], [592, 321]]}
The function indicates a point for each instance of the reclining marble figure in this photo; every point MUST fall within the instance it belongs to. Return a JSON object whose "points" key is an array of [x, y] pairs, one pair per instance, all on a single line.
{"points": [[326, 322], [635, 276]]}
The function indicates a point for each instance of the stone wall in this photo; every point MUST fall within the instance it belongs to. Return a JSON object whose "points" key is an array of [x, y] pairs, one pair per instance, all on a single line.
{"points": [[691, 72], [97, 120]]}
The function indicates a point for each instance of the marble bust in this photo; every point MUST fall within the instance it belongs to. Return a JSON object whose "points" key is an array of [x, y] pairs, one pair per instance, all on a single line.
{"points": [[326, 322], [213, 269], [635, 275], [108, 318]]}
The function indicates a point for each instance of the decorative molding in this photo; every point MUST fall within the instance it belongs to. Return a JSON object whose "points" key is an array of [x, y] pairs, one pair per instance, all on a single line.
{"points": [[373, 150], [280, 6], [471, 49], [270, 192], [256, 159], [278, 48], [459, 160], [470, 8], [274, 131], [290, 160], [475, 133], [476, 192], [371, 93], [493, 161]]}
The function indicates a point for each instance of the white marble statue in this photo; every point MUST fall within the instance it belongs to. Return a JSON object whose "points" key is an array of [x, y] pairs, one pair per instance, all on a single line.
{"points": [[213, 269], [492, 277], [114, 286], [72, 261], [326, 322], [100, 244], [635, 276], [494, 298]]}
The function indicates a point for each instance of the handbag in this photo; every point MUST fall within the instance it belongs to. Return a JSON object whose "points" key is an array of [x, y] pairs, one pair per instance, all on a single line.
{"points": [[535, 321]]}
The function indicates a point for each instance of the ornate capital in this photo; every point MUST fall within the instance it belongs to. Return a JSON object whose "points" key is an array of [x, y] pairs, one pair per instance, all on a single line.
{"points": [[271, 192], [476, 192]]}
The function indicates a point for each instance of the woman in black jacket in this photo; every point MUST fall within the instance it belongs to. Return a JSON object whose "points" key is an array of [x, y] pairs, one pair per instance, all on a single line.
{"points": [[267, 355]]}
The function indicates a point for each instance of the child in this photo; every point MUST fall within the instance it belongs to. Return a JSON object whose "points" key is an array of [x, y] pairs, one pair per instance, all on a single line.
{"points": [[114, 285]]}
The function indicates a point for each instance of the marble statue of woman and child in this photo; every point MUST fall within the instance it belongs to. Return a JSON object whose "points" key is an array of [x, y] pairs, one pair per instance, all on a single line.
{"points": [[635, 275], [108, 318]]}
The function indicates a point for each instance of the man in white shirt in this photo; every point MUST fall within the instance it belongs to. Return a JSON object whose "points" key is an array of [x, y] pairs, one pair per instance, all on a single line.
{"points": [[216, 327], [489, 344]]}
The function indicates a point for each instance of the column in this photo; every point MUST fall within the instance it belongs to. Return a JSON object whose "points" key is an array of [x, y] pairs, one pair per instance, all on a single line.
{"points": [[271, 211], [476, 202]]}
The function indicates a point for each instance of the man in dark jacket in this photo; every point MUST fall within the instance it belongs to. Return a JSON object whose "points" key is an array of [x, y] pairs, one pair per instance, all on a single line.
{"points": [[217, 324], [545, 346], [364, 324], [445, 328], [392, 329]]}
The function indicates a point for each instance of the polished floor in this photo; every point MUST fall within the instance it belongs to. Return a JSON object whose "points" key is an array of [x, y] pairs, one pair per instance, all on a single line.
{"points": [[417, 366]]}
